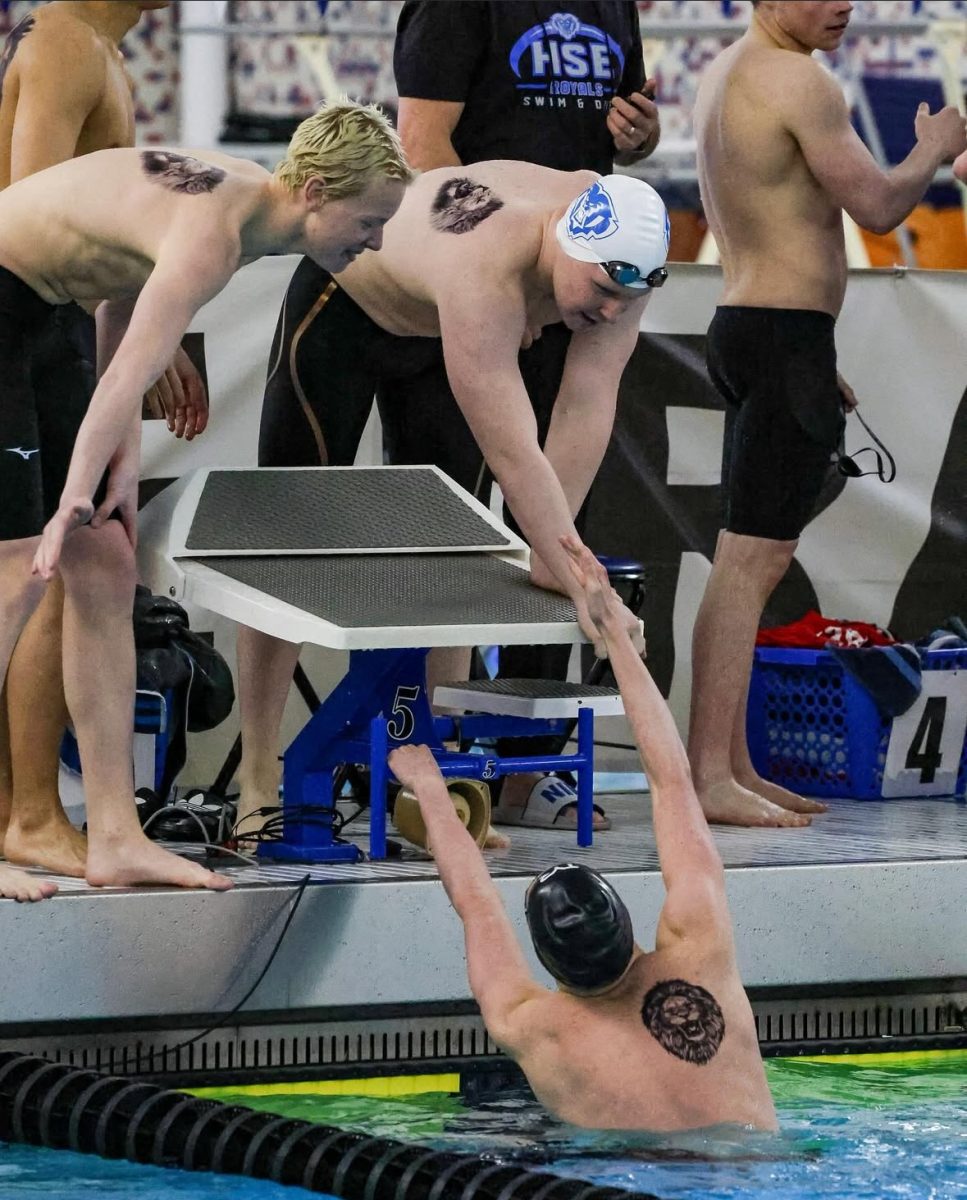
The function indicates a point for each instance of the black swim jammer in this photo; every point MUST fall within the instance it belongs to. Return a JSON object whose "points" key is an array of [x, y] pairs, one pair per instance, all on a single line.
{"points": [[329, 360], [776, 370], [47, 377]]}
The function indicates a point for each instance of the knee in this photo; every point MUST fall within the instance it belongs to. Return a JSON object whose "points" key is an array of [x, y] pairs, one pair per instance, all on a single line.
{"points": [[20, 591], [762, 559], [99, 555]]}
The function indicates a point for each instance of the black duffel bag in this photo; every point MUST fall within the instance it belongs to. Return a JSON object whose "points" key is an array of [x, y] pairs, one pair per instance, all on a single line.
{"points": [[170, 654], [173, 659]]}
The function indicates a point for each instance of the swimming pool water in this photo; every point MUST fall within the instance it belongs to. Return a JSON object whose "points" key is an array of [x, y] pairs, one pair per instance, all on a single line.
{"points": [[889, 1131]]}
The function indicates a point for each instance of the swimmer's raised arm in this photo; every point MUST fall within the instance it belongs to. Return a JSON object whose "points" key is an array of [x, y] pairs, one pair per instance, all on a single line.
{"points": [[499, 976], [814, 111], [690, 864]]}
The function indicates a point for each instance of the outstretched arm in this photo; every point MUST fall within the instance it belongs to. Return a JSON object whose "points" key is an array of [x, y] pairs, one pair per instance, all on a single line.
{"points": [[814, 111], [499, 976], [185, 277], [583, 415], [482, 328], [690, 864]]}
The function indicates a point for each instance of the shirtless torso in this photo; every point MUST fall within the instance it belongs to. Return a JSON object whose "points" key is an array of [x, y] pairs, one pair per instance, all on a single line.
{"points": [[457, 229], [472, 257], [96, 91], [779, 233], [93, 228], [673, 1047], [156, 233], [779, 161]]}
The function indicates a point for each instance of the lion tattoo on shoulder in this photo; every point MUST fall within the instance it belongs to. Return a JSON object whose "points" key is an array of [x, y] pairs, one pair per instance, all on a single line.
{"points": [[684, 1019], [461, 204], [181, 173]]}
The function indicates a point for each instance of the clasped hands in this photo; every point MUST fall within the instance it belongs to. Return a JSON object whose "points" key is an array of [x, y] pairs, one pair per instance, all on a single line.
{"points": [[594, 601]]}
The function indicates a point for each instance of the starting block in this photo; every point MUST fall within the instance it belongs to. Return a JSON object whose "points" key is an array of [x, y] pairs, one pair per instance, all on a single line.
{"points": [[384, 562], [534, 698]]}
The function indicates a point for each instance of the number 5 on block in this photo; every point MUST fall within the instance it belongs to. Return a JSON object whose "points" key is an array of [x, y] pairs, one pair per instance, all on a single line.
{"points": [[927, 741]]}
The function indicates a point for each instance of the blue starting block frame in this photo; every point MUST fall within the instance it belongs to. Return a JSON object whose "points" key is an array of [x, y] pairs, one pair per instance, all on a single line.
{"points": [[380, 703]]}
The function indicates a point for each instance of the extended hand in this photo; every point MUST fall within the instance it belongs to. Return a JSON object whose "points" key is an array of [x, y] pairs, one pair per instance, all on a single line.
{"points": [[180, 397], [960, 167], [946, 131], [69, 516], [633, 121], [605, 607], [122, 495], [543, 577], [414, 766]]}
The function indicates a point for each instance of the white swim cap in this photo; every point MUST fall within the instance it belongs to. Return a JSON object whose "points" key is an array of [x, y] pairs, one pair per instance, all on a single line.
{"points": [[618, 219]]}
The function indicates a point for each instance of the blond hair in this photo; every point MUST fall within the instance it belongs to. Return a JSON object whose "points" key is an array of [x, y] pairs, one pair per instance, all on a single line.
{"points": [[348, 145]]}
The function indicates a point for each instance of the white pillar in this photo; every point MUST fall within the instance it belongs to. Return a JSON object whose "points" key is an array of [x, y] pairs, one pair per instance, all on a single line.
{"points": [[204, 74]]}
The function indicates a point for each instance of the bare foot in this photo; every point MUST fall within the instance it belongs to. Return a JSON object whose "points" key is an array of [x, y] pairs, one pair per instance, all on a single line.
{"points": [[779, 795], [54, 845], [495, 840], [729, 803], [18, 885], [517, 788], [137, 862]]}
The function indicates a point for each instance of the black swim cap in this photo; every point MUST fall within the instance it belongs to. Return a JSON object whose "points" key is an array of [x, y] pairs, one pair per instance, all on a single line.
{"points": [[580, 927]]}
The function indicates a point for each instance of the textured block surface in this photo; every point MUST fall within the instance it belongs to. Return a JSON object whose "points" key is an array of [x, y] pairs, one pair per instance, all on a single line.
{"points": [[389, 590], [332, 510]]}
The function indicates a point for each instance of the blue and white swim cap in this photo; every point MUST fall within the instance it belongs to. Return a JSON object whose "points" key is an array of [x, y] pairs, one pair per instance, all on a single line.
{"points": [[617, 219]]}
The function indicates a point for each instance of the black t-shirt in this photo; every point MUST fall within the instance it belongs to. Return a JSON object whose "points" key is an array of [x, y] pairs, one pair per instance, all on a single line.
{"points": [[535, 76]]}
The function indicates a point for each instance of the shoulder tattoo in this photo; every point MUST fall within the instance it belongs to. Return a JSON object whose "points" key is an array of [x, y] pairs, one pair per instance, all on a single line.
{"points": [[461, 204], [14, 38], [684, 1019], [180, 173]]}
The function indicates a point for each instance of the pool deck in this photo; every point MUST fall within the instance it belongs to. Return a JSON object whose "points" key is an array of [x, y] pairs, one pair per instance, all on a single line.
{"points": [[871, 898]]}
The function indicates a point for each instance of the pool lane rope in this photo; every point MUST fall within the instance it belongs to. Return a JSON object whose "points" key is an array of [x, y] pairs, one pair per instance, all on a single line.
{"points": [[49, 1104]]}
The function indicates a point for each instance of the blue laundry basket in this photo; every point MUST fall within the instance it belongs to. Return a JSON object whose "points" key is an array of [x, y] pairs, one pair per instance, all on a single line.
{"points": [[814, 729]]}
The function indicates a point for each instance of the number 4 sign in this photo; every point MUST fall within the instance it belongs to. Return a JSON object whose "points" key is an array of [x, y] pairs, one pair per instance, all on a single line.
{"points": [[927, 741]]}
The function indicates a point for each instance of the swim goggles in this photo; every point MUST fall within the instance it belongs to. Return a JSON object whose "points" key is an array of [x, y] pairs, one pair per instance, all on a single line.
{"points": [[885, 467], [628, 275]]}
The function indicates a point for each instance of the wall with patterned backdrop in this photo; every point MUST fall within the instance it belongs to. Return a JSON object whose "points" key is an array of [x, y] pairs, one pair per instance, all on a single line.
{"points": [[269, 75]]}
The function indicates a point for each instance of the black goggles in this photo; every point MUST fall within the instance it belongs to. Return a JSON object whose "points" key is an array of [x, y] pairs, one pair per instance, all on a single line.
{"points": [[885, 467], [627, 274]]}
